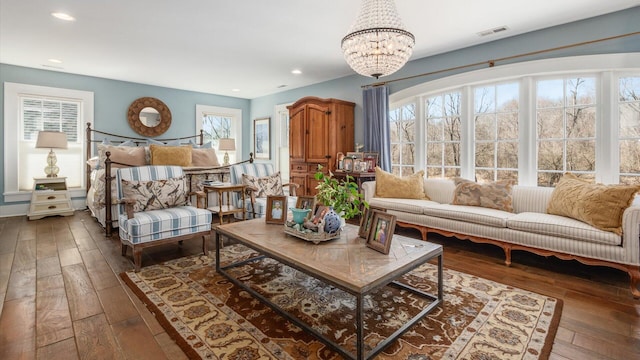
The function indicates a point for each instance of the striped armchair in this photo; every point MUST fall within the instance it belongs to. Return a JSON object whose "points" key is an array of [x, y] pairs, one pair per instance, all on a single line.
{"points": [[257, 203], [154, 209]]}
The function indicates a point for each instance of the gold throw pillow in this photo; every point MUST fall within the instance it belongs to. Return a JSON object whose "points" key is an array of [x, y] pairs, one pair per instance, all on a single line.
{"points": [[170, 155], [407, 187], [599, 205]]}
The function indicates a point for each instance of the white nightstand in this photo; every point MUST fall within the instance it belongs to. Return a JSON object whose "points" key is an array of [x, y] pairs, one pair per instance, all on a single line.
{"points": [[50, 197]]}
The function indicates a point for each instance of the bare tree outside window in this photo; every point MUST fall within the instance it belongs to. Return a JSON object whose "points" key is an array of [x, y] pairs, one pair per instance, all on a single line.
{"points": [[216, 127], [566, 123], [629, 132], [496, 132], [442, 135], [402, 123]]}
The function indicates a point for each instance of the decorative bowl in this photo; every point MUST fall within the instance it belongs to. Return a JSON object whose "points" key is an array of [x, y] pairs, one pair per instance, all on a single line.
{"points": [[299, 214]]}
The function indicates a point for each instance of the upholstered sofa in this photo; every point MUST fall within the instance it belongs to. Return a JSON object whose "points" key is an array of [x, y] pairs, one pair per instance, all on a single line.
{"points": [[528, 227]]}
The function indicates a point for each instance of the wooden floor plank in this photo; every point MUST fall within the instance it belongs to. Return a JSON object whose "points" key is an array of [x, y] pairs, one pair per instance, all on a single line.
{"points": [[53, 321], [83, 300], [131, 333], [62, 350], [95, 340], [18, 329], [116, 304]]}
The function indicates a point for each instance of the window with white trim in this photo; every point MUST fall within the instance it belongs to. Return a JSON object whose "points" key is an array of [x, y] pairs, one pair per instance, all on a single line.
{"points": [[403, 148], [496, 132], [442, 134], [29, 109], [218, 123], [629, 133]]}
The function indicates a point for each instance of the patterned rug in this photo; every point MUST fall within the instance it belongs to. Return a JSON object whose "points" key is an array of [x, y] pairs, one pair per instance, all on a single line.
{"points": [[210, 318]]}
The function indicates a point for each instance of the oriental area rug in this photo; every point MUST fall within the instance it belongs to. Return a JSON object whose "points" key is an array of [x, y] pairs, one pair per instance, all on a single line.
{"points": [[211, 318]]}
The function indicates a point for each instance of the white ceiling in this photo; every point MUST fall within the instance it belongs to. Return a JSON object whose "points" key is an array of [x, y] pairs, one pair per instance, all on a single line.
{"points": [[214, 46]]}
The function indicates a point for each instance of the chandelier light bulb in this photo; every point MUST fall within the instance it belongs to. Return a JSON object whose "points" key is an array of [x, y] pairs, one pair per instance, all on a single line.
{"points": [[377, 43]]}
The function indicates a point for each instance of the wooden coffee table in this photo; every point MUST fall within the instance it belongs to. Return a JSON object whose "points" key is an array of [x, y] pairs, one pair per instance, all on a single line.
{"points": [[346, 263]]}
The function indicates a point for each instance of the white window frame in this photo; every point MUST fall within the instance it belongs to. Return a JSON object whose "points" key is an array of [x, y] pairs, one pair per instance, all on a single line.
{"points": [[236, 126], [607, 68], [12, 132]]}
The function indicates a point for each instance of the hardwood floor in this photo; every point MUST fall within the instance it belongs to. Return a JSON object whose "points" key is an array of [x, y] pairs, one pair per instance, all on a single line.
{"points": [[62, 297]]}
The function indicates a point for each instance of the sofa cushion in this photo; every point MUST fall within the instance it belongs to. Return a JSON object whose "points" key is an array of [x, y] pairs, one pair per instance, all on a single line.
{"points": [[155, 194], [555, 225], [162, 224], [406, 205], [407, 187], [595, 204], [473, 214], [493, 195], [170, 155]]}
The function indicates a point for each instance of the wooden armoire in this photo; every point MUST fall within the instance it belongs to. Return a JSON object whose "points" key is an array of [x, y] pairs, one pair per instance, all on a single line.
{"points": [[318, 130]]}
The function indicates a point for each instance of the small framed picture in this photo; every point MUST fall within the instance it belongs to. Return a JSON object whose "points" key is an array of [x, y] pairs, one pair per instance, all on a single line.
{"points": [[306, 202], [261, 134], [347, 164], [372, 161], [355, 155], [276, 210], [381, 231], [365, 220]]}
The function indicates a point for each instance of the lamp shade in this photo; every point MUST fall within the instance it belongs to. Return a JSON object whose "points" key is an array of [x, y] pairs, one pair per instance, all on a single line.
{"points": [[377, 43], [226, 144], [51, 140]]}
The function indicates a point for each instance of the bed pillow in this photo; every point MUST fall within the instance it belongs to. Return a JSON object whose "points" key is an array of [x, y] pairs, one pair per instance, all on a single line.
{"points": [[165, 193], [493, 195], [267, 186], [598, 205], [130, 155], [170, 155], [204, 157], [408, 187]]}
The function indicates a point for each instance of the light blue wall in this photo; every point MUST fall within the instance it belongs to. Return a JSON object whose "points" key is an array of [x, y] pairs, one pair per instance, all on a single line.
{"points": [[112, 98]]}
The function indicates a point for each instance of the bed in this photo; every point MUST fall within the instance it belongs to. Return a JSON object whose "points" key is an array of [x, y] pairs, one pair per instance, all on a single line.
{"points": [[105, 152]]}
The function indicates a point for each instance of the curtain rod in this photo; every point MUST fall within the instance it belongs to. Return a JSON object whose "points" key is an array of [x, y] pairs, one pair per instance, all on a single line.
{"points": [[492, 63]]}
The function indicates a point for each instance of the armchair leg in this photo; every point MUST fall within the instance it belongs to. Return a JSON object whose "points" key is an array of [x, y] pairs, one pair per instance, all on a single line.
{"points": [[204, 244], [137, 259], [123, 249]]}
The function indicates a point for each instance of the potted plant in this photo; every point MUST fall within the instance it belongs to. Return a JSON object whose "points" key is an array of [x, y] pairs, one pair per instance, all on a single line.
{"points": [[343, 195]]}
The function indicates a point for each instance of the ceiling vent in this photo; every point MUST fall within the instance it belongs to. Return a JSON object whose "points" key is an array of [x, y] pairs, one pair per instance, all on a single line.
{"points": [[493, 31]]}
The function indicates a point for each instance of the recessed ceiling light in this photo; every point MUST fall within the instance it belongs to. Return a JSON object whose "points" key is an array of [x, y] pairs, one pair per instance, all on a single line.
{"points": [[63, 16], [282, 86], [235, 90], [296, 71], [55, 61]]}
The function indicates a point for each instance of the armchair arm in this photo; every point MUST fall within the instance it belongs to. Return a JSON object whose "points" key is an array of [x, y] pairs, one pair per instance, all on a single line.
{"points": [[201, 198], [128, 206], [292, 188]]}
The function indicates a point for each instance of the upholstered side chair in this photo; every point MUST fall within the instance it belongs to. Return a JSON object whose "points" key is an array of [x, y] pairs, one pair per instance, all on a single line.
{"points": [[261, 180], [154, 209]]}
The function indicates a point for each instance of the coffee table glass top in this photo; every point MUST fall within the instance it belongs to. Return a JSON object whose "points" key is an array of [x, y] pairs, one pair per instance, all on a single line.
{"points": [[346, 261]]}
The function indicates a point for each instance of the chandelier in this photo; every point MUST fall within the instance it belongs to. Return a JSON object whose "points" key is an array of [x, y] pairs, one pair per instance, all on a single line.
{"points": [[377, 43]]}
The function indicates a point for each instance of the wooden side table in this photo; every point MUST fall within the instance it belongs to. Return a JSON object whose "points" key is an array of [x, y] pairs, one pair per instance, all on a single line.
{"points": [[50, 197], [225, 205], [359, 177]]}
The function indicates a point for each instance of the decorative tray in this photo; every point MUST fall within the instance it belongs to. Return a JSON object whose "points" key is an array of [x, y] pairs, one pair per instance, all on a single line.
{"points": [[314, 237]]}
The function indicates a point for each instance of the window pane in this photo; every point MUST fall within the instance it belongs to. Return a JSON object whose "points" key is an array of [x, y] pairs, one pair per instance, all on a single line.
{"points": [[629, 110], [630, 157], [452, 104], [435, 129], [407, 170], [395, 153], [548, 178], [434, 107], [550, 124], [485, 127], [508, 126], [434, 154], [507, 155], [395, 129], [550, 93], [508, 175], [484, 100], [581, 155], [485, 175], [581, 122], [451, 172], [485, 154], [550, 155], [630, 120], [434, 172], [581, 91], [452, 154], [407, 131], [507, 96], [408, 151], [452, 129]]}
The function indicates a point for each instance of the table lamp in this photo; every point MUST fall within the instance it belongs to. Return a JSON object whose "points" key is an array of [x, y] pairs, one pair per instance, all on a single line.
{"points": [[226, 144], [51, 140]]}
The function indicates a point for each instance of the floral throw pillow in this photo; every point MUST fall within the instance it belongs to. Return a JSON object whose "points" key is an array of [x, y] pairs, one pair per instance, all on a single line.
{"points": [[156, 194], [267, 186], [494, 195]]}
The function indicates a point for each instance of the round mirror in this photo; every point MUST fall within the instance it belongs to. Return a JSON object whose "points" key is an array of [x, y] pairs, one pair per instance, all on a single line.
{"points": [[149, 116]]}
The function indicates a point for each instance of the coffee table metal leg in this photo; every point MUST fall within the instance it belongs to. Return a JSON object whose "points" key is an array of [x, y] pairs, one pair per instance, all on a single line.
{"points": [[360, 326]]}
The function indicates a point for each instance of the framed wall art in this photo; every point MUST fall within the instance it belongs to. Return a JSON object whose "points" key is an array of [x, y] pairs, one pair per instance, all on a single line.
{"points": [[381, 232], [261, 139], [276, 210]]}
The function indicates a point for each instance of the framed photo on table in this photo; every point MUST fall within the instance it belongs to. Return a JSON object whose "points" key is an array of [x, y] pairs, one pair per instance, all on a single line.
{"points": [[306, 202], [276, 210], [357, 156], [365, 220], [371, 158], [261, 135], [381, 232]]}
